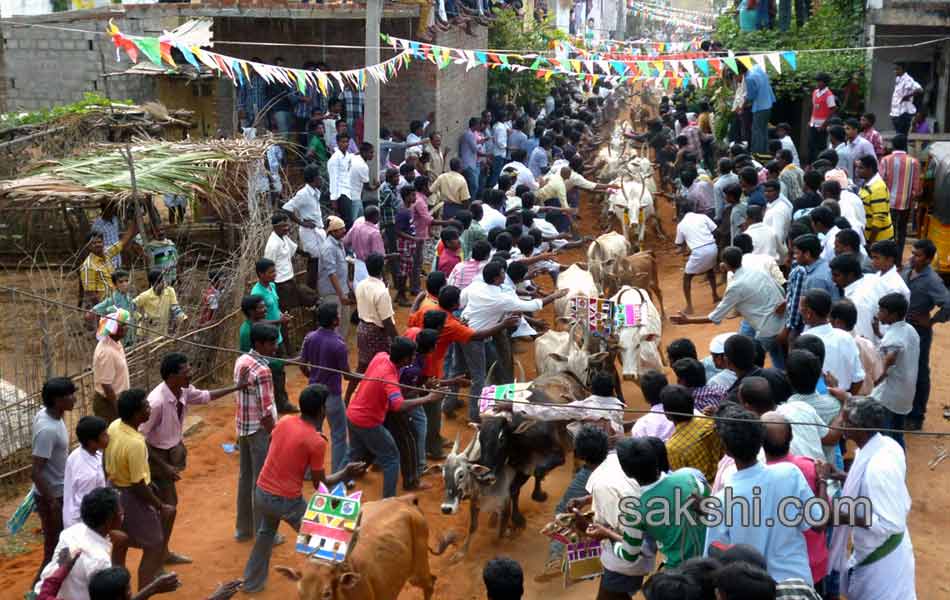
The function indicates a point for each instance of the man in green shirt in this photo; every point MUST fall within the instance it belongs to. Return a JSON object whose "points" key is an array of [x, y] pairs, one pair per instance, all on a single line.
{"points": [[259, 307], [666, 511]]}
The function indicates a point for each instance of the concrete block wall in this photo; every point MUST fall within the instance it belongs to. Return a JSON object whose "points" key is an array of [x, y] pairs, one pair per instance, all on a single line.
{"points": [[47, 67]]}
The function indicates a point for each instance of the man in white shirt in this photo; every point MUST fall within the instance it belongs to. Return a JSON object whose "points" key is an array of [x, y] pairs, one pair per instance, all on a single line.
{"points": [[782, 131], [695, 231], [338, 169], [518, 164], [485, 303], [493, 216], [499, 148], [304, 210], [902, 99], [778, 211], [360, 179], [764, 238], [84, 471], [101, 514], [842, 358], [280, 248], [850, 204], [861, 289], [884, 257]]}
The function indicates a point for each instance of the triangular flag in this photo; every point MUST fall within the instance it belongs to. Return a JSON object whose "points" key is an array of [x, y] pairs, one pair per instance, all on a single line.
{"points": [[759, 60], [716, 64], [731, 63], [189, 55], [674, 65], [746, 62], [703, 65], [204, 58], [301, 78], [165, 49], [149, 47], [775, 61], [619, 67], [481, 56], [236, 69], [791, 58]]}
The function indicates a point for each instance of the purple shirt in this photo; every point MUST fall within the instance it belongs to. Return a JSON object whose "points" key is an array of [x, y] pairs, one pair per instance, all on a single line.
{"points": [[653, 424], [364, 239], [325, 348]]}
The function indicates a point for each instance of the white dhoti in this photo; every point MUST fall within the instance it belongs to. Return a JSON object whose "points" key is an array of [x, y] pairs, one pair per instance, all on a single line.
{"points": [[311, 240], [890, 578], [702, 259]]}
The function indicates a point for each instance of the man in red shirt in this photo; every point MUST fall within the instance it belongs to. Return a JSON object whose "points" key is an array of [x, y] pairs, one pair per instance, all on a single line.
{"points": [[378, 394], [296, 445], [454, 331], [823, 107], [451, 250]]}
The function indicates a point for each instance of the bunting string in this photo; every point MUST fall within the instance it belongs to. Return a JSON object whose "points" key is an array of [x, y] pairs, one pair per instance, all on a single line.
{"points": [[239, 71], [663, 15]]}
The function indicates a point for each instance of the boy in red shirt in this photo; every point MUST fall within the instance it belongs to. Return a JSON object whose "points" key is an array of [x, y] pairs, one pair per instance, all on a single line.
{"points": [[296, 445], [823, 107]]}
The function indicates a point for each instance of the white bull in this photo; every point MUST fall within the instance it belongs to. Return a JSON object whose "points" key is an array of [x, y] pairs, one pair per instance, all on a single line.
{"points": [[604, 253], [578, 282], [16, 418], [632, 206], [640, 346]]}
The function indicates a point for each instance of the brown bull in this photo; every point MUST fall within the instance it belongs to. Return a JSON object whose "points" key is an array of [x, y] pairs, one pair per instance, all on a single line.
{"points": [[639, 271], [392, 549]]}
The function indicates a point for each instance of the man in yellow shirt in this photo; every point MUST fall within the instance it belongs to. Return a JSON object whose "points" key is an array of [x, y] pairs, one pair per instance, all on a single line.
{"points": [[876, 199], [126, 466], [95, 274], [452, 189]]}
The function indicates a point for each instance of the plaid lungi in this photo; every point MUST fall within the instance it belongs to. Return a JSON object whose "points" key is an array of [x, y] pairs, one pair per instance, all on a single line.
{"points": [[370, 341], [407, 254]]}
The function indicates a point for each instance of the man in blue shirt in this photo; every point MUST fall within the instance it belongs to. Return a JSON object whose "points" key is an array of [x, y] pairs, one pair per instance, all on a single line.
{"points": [[764, 507], [760, 98]]}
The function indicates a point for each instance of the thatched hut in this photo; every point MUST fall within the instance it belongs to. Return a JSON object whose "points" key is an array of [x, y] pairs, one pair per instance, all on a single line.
{"points": [[49, 212]]}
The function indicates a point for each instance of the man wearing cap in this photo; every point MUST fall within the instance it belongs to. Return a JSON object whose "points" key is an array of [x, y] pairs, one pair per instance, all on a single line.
{"points": [[717, 372], [110, 371], [332, 282]]}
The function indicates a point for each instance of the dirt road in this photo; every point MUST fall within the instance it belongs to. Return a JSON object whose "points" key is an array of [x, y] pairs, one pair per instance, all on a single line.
{"points": [[205, 524]]}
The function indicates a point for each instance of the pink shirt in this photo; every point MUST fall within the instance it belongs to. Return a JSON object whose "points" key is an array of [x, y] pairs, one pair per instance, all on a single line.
{"points": [[653, 424], [421, 218], [364, 239], [814, 540], [164, 426]]}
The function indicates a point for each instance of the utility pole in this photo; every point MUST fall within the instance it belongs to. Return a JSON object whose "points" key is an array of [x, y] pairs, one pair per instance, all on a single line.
{"points": [[374, 13]]}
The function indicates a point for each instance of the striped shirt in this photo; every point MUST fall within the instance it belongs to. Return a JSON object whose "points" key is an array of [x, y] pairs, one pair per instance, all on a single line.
{"points": [[465, 272], [876, 201], [901, 172], [679, 539], [256, 401]]}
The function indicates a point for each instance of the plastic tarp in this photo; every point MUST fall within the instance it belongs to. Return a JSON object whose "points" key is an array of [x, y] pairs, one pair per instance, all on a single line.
{"points": [[940, 160]]}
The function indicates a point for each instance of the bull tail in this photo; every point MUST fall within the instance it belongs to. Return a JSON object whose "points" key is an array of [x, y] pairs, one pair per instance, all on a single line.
{"points": [[448, 538]]}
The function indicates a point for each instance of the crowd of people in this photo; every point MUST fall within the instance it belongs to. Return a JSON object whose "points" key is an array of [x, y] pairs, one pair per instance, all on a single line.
{"points": [[811, 254]]}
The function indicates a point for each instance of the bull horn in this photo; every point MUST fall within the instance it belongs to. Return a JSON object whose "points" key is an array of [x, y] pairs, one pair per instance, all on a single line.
{"points": [[455, 446], [474, 450]]}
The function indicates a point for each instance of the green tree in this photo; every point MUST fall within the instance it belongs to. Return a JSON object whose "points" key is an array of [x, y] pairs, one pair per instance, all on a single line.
{"points": [[508, 30], [836, 24]]}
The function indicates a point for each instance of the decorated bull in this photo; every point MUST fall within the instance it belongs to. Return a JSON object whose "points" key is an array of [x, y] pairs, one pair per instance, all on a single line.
{"points": [[639, 346], [578, 282], [603, 254], [392, 549]]}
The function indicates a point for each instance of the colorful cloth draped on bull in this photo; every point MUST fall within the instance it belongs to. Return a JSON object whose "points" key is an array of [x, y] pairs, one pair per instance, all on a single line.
{"points": [[602, 315], [511, 392], [581, 559], [329, 527]]}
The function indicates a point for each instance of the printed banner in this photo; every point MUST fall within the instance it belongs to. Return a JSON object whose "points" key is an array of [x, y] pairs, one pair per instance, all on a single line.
{"points": [[603, 316]]}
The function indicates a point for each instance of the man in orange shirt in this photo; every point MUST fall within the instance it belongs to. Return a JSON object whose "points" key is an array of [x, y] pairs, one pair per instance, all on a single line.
{"points": [[296, 445], [430, 301], [454, 331]]}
